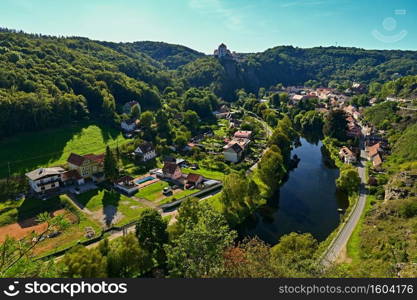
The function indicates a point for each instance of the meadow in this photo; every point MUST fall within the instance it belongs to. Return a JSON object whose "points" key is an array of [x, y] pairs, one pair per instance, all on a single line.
{"points": [[28, 151]]}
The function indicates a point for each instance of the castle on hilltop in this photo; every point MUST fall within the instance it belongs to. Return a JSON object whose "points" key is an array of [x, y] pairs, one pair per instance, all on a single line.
{"points": [[223, 53]]}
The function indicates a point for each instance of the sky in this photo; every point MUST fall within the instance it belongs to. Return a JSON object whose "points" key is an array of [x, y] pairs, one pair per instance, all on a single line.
{"points": [[243, 25]]}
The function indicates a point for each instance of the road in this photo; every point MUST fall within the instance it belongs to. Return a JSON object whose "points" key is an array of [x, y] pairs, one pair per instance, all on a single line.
{"points": [[342, 238], [268, 132]]}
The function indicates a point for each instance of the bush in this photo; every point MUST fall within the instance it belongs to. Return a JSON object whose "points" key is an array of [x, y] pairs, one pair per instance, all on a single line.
{"points": [[408, 209]]}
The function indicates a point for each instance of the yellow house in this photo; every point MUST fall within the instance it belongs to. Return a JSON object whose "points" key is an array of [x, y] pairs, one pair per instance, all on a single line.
{"points": [[88, 166]]}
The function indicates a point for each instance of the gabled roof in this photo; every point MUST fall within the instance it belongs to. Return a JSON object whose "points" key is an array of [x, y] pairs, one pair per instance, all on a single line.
{"points": [[377, 160], [78, 160], [193, 178], [44, 172], [72, 174], [235, 148], [170, 167], [144, 147], [243, 134], [373, 150]]}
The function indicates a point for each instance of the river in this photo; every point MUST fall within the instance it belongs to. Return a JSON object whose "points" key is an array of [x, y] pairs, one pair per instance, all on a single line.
{"points": [[307, 201]]}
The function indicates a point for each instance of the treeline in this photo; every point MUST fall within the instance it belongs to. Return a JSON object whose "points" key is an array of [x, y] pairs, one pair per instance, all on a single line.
{"points": [[199, 245], [321, 66], [48, 81]]}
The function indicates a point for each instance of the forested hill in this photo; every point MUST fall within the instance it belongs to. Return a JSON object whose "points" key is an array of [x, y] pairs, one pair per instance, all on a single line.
{"points": [[47, 81], [295, 66], [169, 55]]}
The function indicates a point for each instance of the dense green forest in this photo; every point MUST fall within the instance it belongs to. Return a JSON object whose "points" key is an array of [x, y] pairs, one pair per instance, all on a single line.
{"points": [[169, 55], [48, 81]]}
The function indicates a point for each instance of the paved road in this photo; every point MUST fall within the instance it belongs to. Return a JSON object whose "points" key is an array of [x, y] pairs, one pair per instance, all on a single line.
{"points": [[268, 131], [342, 238]]}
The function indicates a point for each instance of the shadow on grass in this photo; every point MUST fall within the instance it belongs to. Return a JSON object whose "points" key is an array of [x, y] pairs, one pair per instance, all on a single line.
{"points": [[32, 207], [108, 132], [28, 151], [110, 206]]}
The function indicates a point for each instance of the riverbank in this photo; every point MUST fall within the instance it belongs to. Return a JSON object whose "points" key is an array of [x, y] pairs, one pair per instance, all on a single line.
{"points": [[312, 209]]}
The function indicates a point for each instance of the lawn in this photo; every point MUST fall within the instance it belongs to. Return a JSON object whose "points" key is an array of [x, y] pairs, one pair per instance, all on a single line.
{"points": [[13, 211], [215, 202], [178, 194], [96, 200], [152, 192], [72, 235], [206, 173], [31, 150]]}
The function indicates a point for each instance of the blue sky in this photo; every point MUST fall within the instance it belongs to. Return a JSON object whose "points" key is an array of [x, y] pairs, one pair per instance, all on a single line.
{"points": [[244, 25]]}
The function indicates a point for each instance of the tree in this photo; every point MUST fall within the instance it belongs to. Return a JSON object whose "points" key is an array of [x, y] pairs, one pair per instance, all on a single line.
{"points": [[192, 121], [271, 170], [136, 111], [276, 100], [110, 165], [163, 126], [281, 140], [348, 180], [297, 251], [335, 125], [151, 233], [146, 120], [198, 252], [17, 256], [180, 141], [251, 258], [187, 217], [239, 197], [295, 247], [127, 259], [82, 262]]}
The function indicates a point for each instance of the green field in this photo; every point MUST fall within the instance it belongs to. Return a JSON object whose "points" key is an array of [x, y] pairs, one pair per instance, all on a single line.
{"points": [[152, 192], [178, 195], [28, 151]]}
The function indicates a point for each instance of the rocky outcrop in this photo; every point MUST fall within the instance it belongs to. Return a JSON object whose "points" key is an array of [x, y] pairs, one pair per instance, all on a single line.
{"points": [[401, 185]]}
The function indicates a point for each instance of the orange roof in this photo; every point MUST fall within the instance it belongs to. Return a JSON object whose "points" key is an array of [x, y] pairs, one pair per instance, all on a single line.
{"points": [[377, 161], [373, 150]]}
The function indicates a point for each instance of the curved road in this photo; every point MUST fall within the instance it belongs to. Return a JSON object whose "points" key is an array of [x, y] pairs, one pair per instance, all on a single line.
{"points": [[344, 234]]}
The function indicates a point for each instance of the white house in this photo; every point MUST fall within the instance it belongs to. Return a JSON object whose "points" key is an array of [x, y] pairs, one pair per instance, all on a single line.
{"points": [[45, 179], [233, 152], [347, 155], [129, 125], [145, 151], [172, 171]]}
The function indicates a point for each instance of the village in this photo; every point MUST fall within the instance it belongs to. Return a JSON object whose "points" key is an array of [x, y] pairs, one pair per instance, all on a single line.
{"points": [[236, 141]]}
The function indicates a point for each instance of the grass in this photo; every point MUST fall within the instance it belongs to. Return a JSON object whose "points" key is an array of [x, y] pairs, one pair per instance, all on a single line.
{"points": [[178, 195], [13, 211], [74, 234], [353, 244], [31, 150], [97, 199], [215, 202], [152, 192], [207, 173]]}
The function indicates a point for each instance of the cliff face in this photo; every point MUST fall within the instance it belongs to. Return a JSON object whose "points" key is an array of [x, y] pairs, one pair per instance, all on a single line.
{"points": [[402, 185]]}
